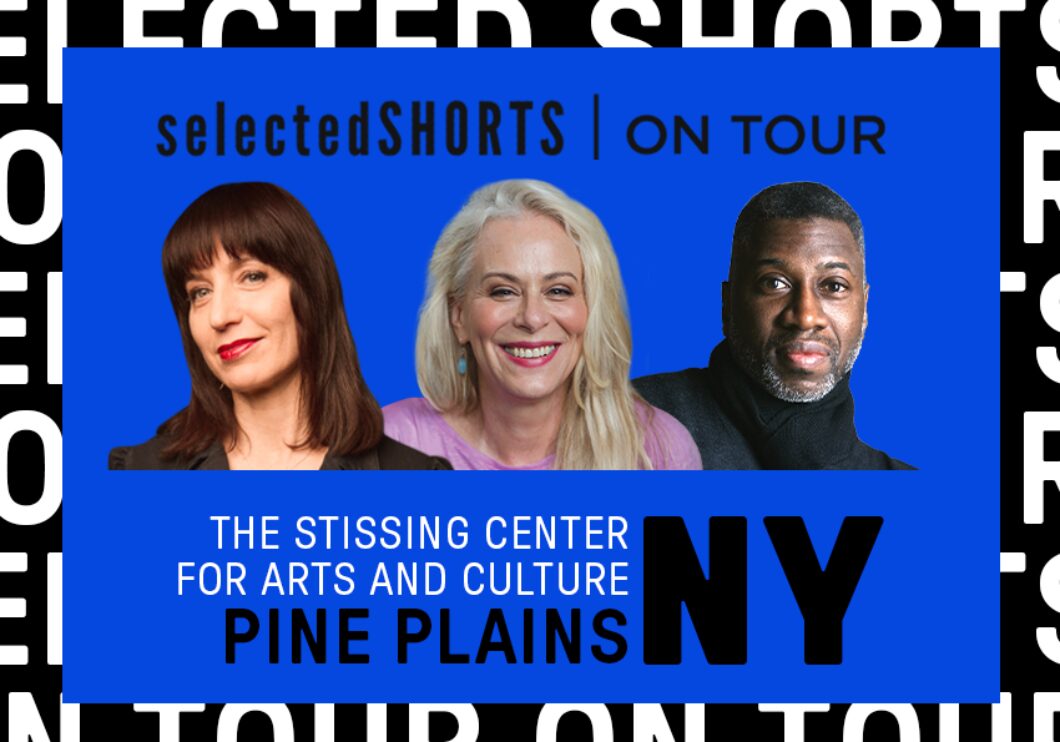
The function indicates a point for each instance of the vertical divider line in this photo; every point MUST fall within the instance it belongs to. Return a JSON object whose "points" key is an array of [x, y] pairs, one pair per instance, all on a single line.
{"points": [[596, 126]]}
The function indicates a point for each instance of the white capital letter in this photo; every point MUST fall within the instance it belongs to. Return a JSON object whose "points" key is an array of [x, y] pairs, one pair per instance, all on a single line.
{"points": [[606, 35], [1049, 586], [14, 46], [420, 720], [1036, 189], [52, 494], [52, 213], [467, 13], [169, 717], [858, 714], [649, 723], [788, 16], [56, 44], [1049, 23], [599, 720], [989, 17], [1045, 706], [1036, 470], [743, 26], [1001, 719], [55, 608], [233, 713], [324, 12], [213, 23], [386, 23], [794, 717], [23, 719], [133, 23], [55, 327], [13, 654], [883, 12], [950, 722]]}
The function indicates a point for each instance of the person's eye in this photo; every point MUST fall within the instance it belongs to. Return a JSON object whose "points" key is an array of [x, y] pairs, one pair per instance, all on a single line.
{"points": [[502, 292], [561, 291], [253, 277], [197, 294], [773, 283], [835, 286]]}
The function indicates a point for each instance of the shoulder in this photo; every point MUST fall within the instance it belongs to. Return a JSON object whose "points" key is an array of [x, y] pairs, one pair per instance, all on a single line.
{"points": [[871, 458], [144, 456], [395, 455], [664, 390], [689, 396], [414, 410], [667, 442], [416, 423], [410, 419], [898, 464]]}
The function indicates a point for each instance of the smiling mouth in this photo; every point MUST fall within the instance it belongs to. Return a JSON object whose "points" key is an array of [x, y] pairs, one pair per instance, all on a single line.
{"points": [[530, 352], [232, 351]]}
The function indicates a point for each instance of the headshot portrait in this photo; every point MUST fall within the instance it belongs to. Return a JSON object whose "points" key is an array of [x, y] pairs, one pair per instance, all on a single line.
{"points": [[275, 380], [794, 310], [523, 348]]}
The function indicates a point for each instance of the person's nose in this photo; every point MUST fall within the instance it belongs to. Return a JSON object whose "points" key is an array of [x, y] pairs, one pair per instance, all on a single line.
{"points": [[533, 312], [804, 310], [225, 308]]}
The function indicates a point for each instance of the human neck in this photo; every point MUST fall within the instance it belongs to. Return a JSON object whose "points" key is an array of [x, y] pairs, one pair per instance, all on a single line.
{"points": [[511, 431], [784, 435], [271, 424]]}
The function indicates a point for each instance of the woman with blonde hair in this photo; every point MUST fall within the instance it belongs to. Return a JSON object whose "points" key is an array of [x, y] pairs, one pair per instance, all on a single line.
{"points": [[523, 348]]}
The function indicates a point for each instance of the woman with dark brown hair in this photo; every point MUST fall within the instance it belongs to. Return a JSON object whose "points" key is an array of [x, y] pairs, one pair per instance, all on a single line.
{"points": [[275, 382]]}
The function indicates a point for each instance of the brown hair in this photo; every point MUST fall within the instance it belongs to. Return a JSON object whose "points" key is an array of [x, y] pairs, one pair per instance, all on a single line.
{"points": [[265, 222]]}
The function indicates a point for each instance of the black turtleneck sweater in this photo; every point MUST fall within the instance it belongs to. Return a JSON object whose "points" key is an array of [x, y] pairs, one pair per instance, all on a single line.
{"points": [[739, 425]]}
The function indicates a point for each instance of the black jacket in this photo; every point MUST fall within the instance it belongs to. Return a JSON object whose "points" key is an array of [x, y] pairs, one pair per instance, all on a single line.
{"points": [[389, 454], [738, 425]]}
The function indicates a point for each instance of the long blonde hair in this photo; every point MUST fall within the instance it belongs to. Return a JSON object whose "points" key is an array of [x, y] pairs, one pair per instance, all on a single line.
{"points": [[600, 427]]}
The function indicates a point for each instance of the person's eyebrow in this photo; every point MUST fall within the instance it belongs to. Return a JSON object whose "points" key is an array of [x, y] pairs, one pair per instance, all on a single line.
{"points": [[561, 274], [513, 279], [770, 261], [498, 274], [834, 265]]}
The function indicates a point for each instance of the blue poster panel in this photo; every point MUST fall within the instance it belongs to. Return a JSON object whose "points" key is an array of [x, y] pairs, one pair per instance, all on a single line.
{"points": [[518, 586]]}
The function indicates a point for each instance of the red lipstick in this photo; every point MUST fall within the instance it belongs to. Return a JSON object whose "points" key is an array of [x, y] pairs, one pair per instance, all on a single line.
{"points": [[234, 350]]}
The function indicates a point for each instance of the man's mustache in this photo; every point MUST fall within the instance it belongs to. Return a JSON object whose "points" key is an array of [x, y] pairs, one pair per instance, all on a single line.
{"points": [[785, 340]]}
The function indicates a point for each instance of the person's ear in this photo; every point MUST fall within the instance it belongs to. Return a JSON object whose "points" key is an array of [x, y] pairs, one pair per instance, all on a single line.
{"points": [[456, 320], [726, 300]]}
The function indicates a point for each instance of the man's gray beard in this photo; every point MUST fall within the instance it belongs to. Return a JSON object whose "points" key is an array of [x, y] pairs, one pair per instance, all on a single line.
{"points": [[767, 375]]}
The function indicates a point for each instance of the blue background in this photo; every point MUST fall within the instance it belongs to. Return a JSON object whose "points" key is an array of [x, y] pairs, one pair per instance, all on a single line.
{"points": [[923, 625]]}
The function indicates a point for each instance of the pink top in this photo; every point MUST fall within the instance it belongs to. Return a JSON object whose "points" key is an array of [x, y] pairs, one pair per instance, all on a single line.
{"points": [[416, 423]]}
